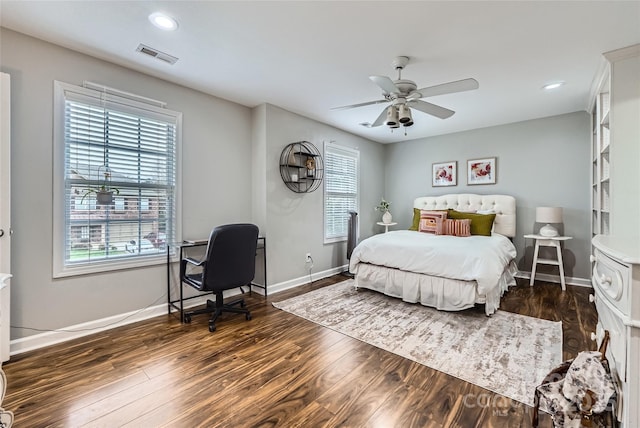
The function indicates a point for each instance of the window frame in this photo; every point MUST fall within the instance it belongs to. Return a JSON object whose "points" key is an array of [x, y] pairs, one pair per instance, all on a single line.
{"points": [[328, 146], [61, 270]]}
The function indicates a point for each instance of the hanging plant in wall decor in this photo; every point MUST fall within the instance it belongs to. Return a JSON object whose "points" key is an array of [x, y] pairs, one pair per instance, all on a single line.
{"points": [[301, 167], [104, 192]]}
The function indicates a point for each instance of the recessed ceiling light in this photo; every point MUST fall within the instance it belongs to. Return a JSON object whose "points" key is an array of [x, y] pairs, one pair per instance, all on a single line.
{"points": [[551, 86], [162, 21]]}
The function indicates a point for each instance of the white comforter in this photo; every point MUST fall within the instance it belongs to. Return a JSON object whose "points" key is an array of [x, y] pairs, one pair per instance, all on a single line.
{"points": [[475, 258]]}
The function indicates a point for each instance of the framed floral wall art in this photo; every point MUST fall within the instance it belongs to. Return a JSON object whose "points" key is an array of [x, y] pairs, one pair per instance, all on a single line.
{"points": [[444, 174], [481, 171]]}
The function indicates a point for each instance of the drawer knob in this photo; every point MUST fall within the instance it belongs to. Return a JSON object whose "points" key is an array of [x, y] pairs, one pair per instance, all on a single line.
{"points": [[592, 258], [593, 336], [592, 298], [605, 279]]}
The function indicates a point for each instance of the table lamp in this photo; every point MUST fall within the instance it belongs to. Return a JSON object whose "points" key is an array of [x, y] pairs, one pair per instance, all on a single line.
{"points": [[548, 215]]}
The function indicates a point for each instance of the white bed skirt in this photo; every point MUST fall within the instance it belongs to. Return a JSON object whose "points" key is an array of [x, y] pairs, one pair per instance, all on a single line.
{"points": [[440, 293]]}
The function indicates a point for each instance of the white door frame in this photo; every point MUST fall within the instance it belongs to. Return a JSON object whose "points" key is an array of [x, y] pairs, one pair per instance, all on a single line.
{"points": [[5, 213]]}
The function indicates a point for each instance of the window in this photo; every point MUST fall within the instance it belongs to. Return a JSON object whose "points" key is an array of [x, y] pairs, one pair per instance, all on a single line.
{"points": [[84, 232], [340, 190], [137, 143], [144, 204], [118, 204]]}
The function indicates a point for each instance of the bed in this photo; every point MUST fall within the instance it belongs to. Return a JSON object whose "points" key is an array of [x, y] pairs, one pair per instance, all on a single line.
{"points": [[449, 273]]}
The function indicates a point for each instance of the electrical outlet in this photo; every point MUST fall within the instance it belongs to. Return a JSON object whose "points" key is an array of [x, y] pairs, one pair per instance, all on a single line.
{"points": [[308, 258]]}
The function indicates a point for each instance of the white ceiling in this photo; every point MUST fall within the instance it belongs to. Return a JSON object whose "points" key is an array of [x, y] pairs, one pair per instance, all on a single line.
{"points": [[309, 56]]}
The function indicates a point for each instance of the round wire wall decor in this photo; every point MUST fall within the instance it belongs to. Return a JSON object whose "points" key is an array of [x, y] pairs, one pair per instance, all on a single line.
{"points": [[301, 167]]}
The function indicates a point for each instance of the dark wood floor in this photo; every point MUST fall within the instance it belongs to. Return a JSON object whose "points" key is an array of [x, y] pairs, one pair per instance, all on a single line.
{"points": [[276, 370]]}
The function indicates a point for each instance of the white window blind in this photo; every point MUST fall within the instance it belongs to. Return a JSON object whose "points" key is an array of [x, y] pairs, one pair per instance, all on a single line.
{"points": [[340, 190], [136, 144]]}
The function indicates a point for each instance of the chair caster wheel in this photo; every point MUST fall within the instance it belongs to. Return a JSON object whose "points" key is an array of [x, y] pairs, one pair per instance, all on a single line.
{"points": [[187, 318], [248, 317], [212, 328]]}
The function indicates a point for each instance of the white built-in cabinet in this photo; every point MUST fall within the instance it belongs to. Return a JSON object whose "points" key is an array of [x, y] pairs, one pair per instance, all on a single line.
{"points": [[615, 177], [616, 223], [616, 294], [600, 143]]}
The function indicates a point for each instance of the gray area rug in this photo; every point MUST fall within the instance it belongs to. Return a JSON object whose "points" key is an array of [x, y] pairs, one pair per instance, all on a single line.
{"points": [[505, 353]]}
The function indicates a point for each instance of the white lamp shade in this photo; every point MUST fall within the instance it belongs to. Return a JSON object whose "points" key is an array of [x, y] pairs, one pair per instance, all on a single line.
{"points": [[549, 215]]}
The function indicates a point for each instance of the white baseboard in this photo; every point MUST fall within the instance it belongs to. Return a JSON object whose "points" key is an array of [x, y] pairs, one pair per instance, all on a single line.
{"points": [[37, 341], [582, 282], [296, 282]]}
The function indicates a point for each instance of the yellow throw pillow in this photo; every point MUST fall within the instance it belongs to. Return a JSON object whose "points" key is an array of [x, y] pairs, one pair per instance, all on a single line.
{"points": [[481, 224], [416, 220]]}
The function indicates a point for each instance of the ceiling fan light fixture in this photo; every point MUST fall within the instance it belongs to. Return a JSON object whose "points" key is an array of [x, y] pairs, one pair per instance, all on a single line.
{"points": [[392, 117], [404, 115]]}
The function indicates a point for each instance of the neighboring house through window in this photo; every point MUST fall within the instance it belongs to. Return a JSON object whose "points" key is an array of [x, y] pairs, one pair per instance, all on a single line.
{"points": [[341, 181], [118, 203], [137, 142]]}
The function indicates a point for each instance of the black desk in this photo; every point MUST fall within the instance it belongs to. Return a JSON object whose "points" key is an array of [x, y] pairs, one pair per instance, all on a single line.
{"points": [[178, 304]]}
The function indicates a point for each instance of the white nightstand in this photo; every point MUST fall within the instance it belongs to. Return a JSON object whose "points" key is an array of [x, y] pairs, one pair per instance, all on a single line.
{"points": [[386, 225], [548, 241]]}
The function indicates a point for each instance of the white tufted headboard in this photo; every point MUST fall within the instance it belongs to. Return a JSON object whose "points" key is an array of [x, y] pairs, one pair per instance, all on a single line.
{"points": [[503, 205]]}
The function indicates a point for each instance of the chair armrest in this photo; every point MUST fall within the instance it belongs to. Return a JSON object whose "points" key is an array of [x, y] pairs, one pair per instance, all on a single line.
{"points": [[191, 261]]}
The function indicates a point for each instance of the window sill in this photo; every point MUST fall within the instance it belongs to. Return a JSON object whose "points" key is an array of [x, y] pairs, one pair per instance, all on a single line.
{"points": [[95, 268], [334, 240]]}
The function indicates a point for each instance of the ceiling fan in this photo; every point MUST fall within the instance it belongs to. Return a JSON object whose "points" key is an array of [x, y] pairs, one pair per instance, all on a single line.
{"points": [[404, 96]]}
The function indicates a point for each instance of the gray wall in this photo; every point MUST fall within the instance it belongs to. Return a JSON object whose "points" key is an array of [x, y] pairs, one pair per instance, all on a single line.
{"points": [[295, 220], [230, 157], [542, 162], [209, 195]]}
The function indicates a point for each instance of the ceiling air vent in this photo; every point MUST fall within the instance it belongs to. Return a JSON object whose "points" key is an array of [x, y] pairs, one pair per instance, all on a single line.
{"points": [[147, 50]]}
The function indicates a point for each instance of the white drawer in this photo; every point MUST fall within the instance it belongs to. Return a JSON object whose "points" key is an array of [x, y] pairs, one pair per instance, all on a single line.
{"points": [[617, 348], [611, 279]]}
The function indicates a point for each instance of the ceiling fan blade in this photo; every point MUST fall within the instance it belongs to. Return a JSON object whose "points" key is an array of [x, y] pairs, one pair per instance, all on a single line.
{"points": [[448, 88], [368, 103], [431, 109], [385, 83], [380, 120]]}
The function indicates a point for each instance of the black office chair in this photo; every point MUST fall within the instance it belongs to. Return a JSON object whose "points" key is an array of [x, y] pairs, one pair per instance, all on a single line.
{"points": [[229, 263]]}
